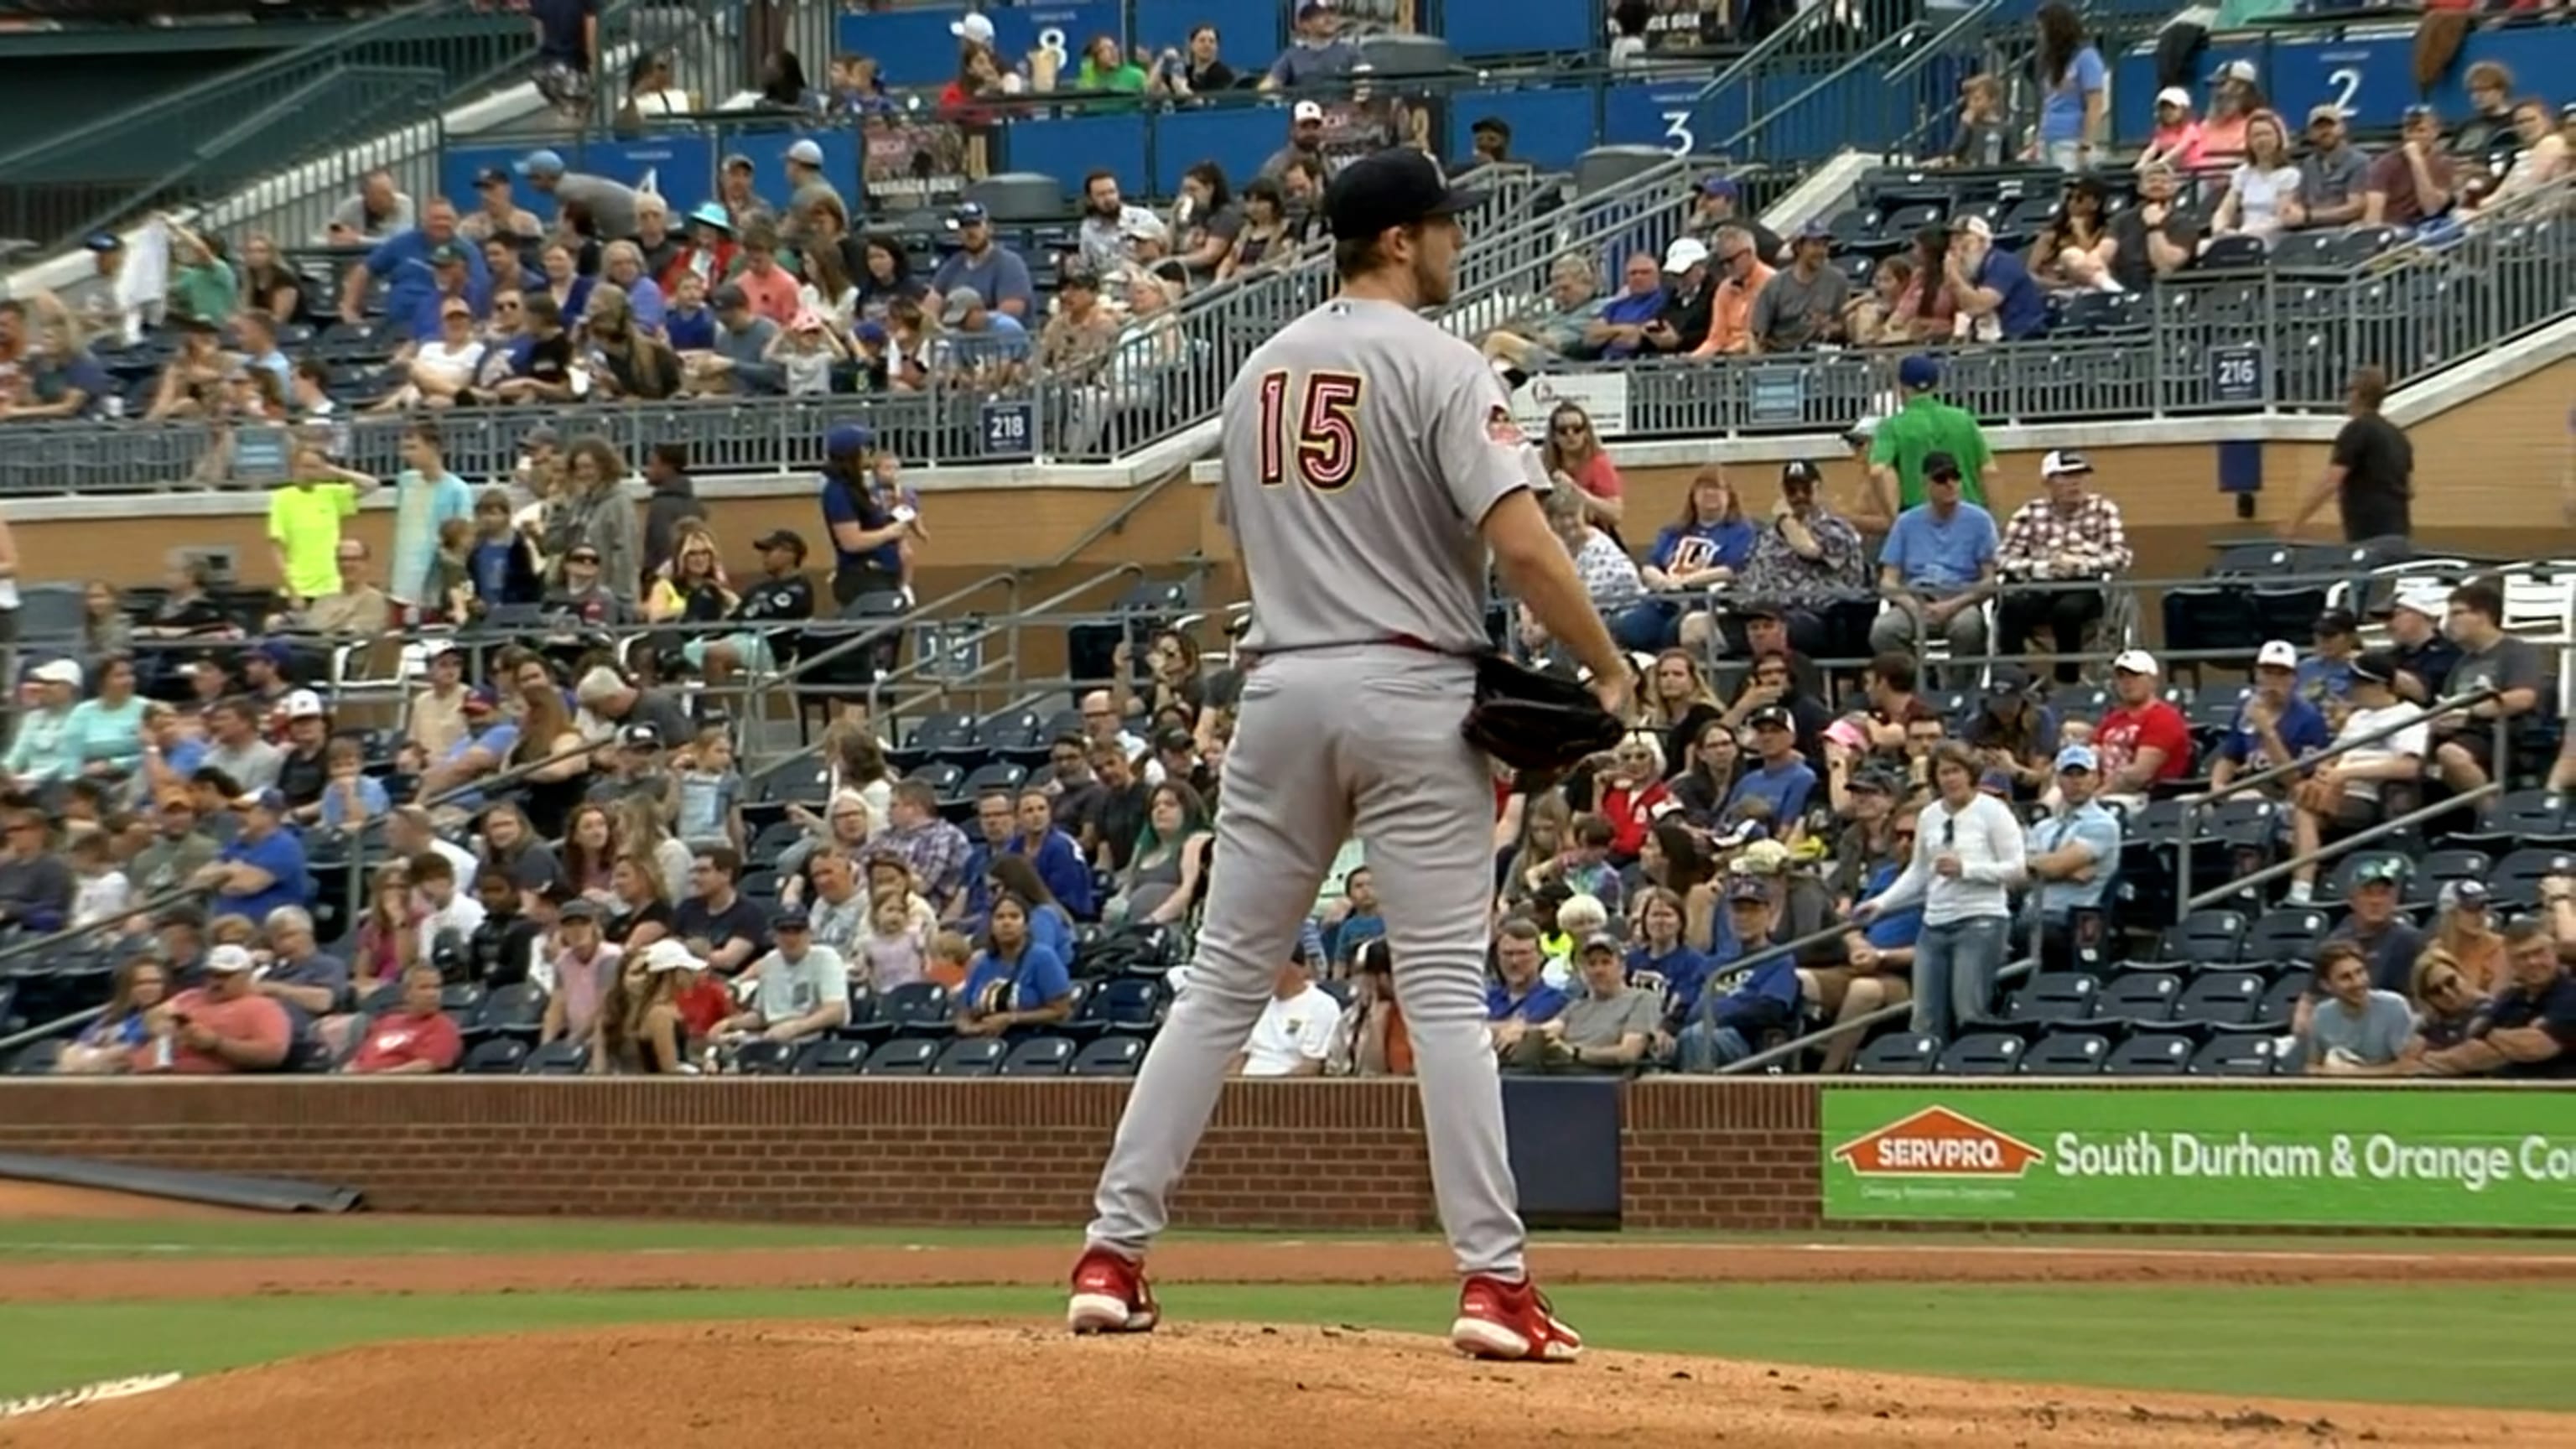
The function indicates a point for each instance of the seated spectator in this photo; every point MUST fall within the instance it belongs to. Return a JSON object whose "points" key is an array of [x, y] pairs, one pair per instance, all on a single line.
{"points": [[102, 895], [1294, 1034], [1686, 319], [1168, 867], [1317, 53], [39, 753], [2374, 923], [1877, 958], [1574, 450], [1619, 328], [2333, 172], [1982, 135], [1743, 277], [580, 971], [2424, 656], [2262, 197], [1998, 299], [995, 273], [2070, 536], [2175, 141], [716, 923], [2013, 734], [2142, 738], [310, 982], [1610, 578], [61, 380], [1759, 999], [225, 1025], [1607, 1030], [1015, 983], [507, 946], [1871, 318], [2273, 726], [2345, 1027], [130, 1030], [1520, 998], [739, 362], [2073, 252], [640, 1030], [2324, 678], [1677, 703], [1371, 1039], [1554, 329], [623, 357], [1926, 307], [2464, 740], [798, 989], [448, 916], [1780, 778], [1714, 762], [2446, 1004], [1801, 306], [2529, 1029], [1174, 677], [2073, 854], [2544, 156], [416, 1038], [935, 851], [2415, 182], [263, 868], [1630, 792], [1968, 854], [1937, 568], [2464, 934]]}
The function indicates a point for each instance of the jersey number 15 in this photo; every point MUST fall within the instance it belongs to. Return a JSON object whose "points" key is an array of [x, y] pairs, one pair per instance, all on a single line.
{"points": [[1321, 441]]}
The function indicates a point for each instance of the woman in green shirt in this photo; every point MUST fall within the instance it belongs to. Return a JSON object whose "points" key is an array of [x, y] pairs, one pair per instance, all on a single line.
{"points": [[1106, 68], [202, 284], [103, 740]]}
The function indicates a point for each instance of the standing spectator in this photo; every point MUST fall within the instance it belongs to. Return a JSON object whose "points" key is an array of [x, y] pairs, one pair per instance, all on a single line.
{"points": [[2175, 141], [2464, 740], [2070, 536], [225, 1025], [416, 1038], [1926, 426], [2334, 175], [866, 535], [2141, 739], [2234, 99], [2370, 473], [1968, 853], [2414, 183], [376, 210], [610, 205], [304, 521], [263, 868], [36, 885], [1318, 51], [2074, 88], [674, 501], [406, 263], [594, 513], [994, 272], [426, 496], [1937, 568]]}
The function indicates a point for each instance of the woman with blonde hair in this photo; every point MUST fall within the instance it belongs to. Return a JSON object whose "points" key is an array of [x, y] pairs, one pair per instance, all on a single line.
{"points": [[2464, 930], [644, 833], [692, 588], [639, 1030]]}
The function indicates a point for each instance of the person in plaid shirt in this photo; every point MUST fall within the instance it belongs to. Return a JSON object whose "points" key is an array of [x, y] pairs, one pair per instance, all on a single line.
{"points": [[2069, 532], [933, 849]]}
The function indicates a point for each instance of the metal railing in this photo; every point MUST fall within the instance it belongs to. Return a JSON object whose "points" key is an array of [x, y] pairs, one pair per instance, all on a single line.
{"points": [[55, 941], [1788, 1051], [1830, 112]]}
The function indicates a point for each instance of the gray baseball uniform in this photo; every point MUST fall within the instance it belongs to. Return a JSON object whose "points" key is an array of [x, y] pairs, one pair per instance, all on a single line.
{"points": [[1364, 447]]}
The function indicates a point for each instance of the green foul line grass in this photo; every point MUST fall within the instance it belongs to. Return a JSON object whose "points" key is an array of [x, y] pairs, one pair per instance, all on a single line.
{"points": [[2482, 1345]]}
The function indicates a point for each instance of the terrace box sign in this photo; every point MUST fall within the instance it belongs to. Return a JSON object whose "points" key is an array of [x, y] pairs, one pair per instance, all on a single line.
{"points": [[2463, 1157]]}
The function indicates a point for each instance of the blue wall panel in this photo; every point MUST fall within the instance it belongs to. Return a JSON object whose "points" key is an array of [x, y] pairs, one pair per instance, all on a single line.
{"points": [[1562, 1134], [1549, 128], [1075, 146], [1237, 139]]}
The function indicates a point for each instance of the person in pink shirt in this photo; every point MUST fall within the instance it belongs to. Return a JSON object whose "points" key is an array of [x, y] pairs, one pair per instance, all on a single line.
{"points": [[2176, 141], [585, 966], [774, 291], [224, 1025], [1574, 448], [414, 1039]]}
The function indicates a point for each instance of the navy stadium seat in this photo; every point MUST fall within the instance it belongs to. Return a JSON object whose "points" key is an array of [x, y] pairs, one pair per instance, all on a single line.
{"points": [[1043, 1056], [2066, 1054], [830, 1057], [902, 1057], [1897, 1054], [495, 1056], [2149, 1054], [1111, 1056], [1982, 1054], [762, 1058], [970, 1056]]}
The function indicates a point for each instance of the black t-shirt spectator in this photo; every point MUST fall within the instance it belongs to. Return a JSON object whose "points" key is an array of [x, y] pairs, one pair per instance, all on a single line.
{"points": [[691, 920], [789, 598], [1079, 805], [654, 913], [38, 891], [301, 778], [2378, 491], [498, 952], [1688, 316], [2131, 267], [2431, 662], [2552, 1009], [1121, 815]]}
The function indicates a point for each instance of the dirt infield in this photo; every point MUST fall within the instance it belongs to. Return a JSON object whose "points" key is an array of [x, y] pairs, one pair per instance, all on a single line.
{"points": [[36, 1201], [1242, 1387]]}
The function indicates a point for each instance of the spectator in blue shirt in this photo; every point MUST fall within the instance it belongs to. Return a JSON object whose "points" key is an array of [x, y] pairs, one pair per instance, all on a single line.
{"points": [[1521, 997], [1878, 960], [978, 338], [1620, 329], [996, 273], [2274, 724], [2073, 854], [1015, 984], [1760, 998], [403, 264], [1057, 859], [1995, 289], [63, 380], [1780, 776], [2327, 674], [1050, 924], [2072, 107], [1937, 568], [1354, 918], [450, 277], [263, 867], [1660, 920]]}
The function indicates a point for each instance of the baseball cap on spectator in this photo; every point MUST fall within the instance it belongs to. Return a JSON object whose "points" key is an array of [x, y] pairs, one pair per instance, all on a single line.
{"points": [[846, 439], [1754, 609], [1770, 717], [271, 800], [304, 704], [1918, 372], [2135, 661], [805, 153], [807, 320], [2335, 623], [541, 163], [2236, 70], [1602, 941], [481, 700], [57, 671], [669, 955], [968, 213], [1799, 473], [2007, 681], [1874, 780], [2062, 462], [2427, 602], [791, 918], [2174, 96], [1718, 186], [577, 908], [786, 538], [873, 332], [1389, 189], [1814, 229], [641, 737], [2324, 111], [1143, 225], [2375, 666], [2380, 870], [491, 176], [2077, 757], [2465, 893], [1305, 113], [712, 213], [1975, 226], [1175, 738], [1745, 889], [2415, 113], [1763, 857], [1685, 253], [961, 301], [2277, 654], [1490, 126], [103, 241], [730, 297], [977, 28], [540, 436], [448, 254], [1940, 465], [230, 960]]}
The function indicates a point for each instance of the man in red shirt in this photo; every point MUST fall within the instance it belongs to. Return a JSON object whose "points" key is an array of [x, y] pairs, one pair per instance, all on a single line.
{"points": [[2142, 739], [415, 1039], [225, 1025]]}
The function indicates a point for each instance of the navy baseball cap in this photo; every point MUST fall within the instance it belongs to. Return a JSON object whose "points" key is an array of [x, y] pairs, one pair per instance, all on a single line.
{"points": [[491, 176], [1389, 189], [846, 439], [791, 918], [1919, 371], [968, 213]]}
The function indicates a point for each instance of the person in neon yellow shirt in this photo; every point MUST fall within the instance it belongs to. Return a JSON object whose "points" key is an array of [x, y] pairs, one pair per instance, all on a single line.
{"points": [[304, 519]]}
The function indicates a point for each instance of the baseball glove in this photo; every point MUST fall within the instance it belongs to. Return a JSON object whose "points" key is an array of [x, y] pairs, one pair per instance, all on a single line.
{"points": [[1539, 724]]}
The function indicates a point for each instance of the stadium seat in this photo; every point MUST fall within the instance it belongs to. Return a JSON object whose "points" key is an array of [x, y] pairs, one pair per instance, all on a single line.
{"points": [[1130, 1005], [2286, 937], [495, 1056], [2066, 1054], [803, 782], [772, 842], [946, 736], [970, 1056], [2517, 878], [1112, 1056], [760, 1058], [999, 775], [1018, 736], [2149, 1054], [2220, 999], [559, 1059], [2051, 1000], [918, 1009], [1897, 1054], [1982, 1054], [2238, 1056], [902, 1057], [2203, 938], [830, 1057], [2522, 819], [2139, 998], [513, 1011], [36, 1059], [1042, 1056], [2438, 868]]}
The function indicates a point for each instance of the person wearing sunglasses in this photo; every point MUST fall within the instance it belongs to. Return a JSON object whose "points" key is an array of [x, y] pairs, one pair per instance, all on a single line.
{"points": [[2447, 1002], [2529, 1030], [1968, 855]]}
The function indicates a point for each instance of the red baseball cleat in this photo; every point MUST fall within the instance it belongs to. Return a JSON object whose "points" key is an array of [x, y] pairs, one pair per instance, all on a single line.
{"points": [[1110, 1295], [1500, 1319]]}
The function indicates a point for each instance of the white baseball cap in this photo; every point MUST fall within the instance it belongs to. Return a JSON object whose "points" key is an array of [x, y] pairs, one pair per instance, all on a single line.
{"points": [[2427, 602], [2236, 70], [304, 704], [2062, 462], [1305, 111], [57, 671], [1685, 253], [2277, 654], [669, 955], [2135, 661], [229, 960], [977, 28], [2174, 96], [806, 153]]}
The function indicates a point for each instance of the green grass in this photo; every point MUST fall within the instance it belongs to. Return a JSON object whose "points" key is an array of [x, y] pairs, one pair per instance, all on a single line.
{"points": [[2479, 1345]]}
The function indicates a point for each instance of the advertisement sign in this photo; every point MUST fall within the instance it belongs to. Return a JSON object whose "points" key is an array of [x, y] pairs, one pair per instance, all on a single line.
{"points": [[2483, 1158], [908, 163], [1365, 124], [1604, 395]]}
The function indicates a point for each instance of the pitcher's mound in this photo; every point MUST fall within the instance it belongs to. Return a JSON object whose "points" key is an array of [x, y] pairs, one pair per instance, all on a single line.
{"points": [[1207, 1387]]}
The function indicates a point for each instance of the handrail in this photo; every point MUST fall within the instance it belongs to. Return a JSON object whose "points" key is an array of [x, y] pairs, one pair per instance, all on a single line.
{"points": [[789, 678], [1808, 20], [1974, 15], [151, 905], [2243, 884], [1898, 1011], [1902, 35], [918, 670], [2302, 765]]}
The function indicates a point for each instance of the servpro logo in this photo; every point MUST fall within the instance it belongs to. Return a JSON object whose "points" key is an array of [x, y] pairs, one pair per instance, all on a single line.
{"points": [[1937, 1142]]}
